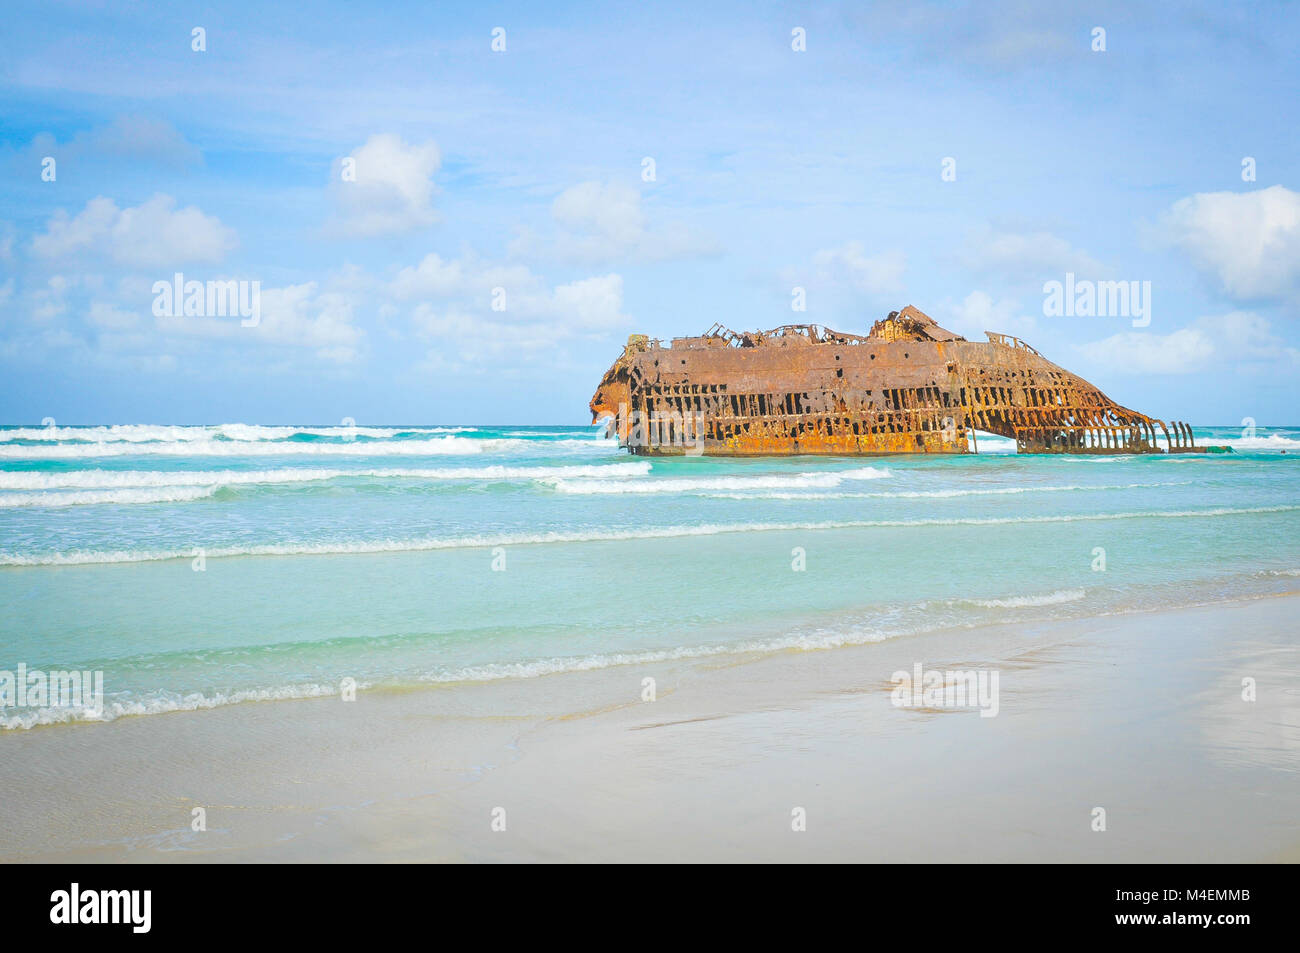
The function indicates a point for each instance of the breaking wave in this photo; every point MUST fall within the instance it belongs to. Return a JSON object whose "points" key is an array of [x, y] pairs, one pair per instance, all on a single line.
{"points": [[1274, 441], [594, 535], [162, 702], [1022, 602], [166, 494], [936, 494], [146, 433], [86, 479], [698, 484], [434, 446]]}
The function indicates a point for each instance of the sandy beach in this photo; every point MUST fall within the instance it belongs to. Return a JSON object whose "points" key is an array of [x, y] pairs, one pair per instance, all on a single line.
{"points": [[1139, 714]]}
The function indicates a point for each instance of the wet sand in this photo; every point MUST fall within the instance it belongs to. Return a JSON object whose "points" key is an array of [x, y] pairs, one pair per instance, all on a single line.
{"points": [[1141, 715]]}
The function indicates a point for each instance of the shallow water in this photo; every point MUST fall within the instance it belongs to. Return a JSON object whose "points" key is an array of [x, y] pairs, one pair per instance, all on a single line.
{"points": [[199, 566]]}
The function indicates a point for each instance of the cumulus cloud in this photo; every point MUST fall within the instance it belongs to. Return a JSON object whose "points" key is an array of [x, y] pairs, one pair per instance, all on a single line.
{"points": [[481, 311], [295, 316], [590, 304], [436, 277], [126, 137], [602, 221], [50, 302], [1032, 257], [301, 316], [979, 312], [1237, 337], [106, 315], [850, 265], [1249, 242], [386, 187], [154, 234]]}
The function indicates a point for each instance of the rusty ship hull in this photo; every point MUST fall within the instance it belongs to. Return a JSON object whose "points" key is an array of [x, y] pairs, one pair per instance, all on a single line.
{"points": [[909, 386]]}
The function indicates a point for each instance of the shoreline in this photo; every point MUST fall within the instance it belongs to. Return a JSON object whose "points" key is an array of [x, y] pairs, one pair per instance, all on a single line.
{"points": [[1138, 713]]}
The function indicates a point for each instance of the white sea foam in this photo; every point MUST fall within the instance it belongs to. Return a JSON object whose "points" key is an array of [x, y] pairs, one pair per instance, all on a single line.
{"points": [[849, 633], [938, 494], [1021, 602], [86, 479], [162, 702], [1273, 441], [697, 484], [80, 557], [142, 433], [434, 446], [165, 494], [993, 443]]}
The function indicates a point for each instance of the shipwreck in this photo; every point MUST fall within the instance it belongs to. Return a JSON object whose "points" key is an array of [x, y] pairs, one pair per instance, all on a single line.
{"points": [[908, 386]]}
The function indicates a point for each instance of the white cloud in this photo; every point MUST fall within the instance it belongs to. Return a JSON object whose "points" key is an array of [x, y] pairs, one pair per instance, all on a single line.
{"points": [[393, 189], [153, 235], [602, 221], [141, 137], [435, 277], [126, 137], [1027, 256], [297, 315], [850, 265], [978, 312], [466, 338], [593, 304], [1237, 337], [293, 316], [589, 304], [612, 212], [431, 277], [455, 308], [1249, 241], [105, 315], [51, 301]]}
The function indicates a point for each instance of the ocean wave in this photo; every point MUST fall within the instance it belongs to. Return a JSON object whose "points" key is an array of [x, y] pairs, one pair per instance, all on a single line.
{"points": [[434, 446], [993, 443], [80, 557], [87, 479], [697, 484], [163, 702], [938, 494], [1022, 602], [1273, 441], [158, 703], [164, 433], [922, 617], [166, 494]]}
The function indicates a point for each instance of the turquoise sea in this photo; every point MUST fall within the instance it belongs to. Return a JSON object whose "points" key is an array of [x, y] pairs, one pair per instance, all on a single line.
{"points": [[204, 566]]}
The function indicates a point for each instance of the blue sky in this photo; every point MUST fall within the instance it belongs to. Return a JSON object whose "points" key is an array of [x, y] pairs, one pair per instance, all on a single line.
{"points": [[517, 178]]}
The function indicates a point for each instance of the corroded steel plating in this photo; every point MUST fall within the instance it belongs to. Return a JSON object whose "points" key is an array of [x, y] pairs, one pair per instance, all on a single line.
{"points": [[909, 386]]}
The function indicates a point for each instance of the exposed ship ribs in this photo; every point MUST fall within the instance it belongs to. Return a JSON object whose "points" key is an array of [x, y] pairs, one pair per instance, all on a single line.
{"points": [[909, 386]]}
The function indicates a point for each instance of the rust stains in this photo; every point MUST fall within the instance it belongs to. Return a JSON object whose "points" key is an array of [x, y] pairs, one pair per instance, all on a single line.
{"points": [[908, 386]]}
